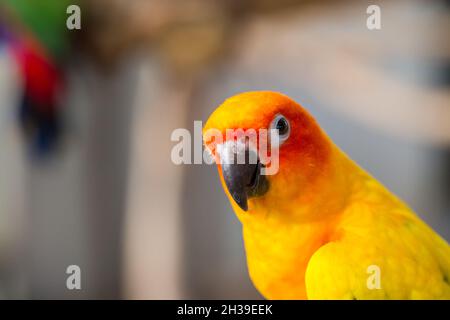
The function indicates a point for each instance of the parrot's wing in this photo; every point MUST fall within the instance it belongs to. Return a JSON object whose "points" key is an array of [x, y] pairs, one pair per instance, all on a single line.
{"points": [[396, 265], [336, 273]]}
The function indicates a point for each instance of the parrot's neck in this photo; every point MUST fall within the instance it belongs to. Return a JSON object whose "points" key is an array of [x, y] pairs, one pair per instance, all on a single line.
{"points": [[278, 250], [278, 256]]}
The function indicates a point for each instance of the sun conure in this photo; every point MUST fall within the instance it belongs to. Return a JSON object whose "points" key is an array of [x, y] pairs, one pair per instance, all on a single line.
{"points": [[321, 227]]}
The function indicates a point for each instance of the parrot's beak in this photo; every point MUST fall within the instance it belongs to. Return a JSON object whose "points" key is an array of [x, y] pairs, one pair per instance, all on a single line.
{"points": [[243, 179]]}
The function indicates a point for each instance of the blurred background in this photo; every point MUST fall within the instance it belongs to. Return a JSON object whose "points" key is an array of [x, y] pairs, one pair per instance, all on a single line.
{"points": [[86, 116]]}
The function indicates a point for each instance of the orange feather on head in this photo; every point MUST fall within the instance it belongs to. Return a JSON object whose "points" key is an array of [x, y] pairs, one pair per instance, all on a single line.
{"points": [[304, 158]]}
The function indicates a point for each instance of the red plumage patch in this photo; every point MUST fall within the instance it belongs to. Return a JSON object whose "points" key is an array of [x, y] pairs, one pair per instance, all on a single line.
{"points": [[41, 78]]}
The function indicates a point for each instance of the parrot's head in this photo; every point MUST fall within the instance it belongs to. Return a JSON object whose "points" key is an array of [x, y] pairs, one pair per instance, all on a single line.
{"points": [[287, 155]]}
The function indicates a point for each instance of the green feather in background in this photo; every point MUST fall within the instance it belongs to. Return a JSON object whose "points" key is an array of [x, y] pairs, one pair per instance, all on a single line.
{"points": [[46, 19]]}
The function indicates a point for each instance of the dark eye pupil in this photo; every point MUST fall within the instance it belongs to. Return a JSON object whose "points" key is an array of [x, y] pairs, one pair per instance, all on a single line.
{"points": [[282, 126]]}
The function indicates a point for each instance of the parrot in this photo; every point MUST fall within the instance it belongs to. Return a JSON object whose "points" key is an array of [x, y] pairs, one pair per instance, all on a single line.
{"points": [[321, 227], [37, 38]]}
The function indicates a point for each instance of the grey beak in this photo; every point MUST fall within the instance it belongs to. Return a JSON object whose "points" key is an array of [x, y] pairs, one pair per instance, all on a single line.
{"points": [[244, 180]]}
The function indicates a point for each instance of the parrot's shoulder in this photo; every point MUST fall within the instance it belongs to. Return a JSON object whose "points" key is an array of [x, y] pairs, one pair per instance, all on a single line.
{"points": [[338, 272], [380, 252]]}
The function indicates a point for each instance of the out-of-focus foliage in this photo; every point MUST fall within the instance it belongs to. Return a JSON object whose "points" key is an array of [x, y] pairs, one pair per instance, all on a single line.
{"points": [[47, 21]]}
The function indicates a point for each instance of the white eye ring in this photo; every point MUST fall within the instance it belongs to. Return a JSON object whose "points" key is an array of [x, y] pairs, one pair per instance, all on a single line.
{"points": [[281, 124]]}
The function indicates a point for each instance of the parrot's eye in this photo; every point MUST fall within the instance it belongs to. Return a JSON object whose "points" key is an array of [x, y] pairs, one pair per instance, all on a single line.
{"points": [[281, 124]]}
